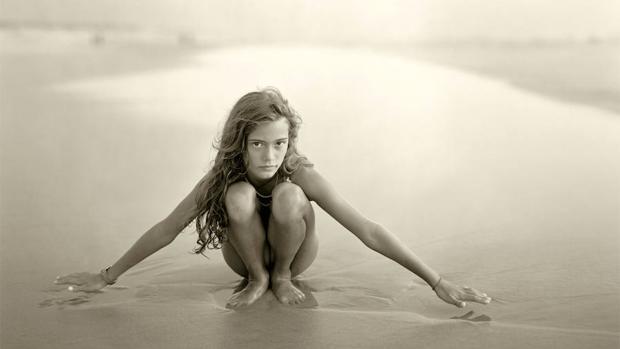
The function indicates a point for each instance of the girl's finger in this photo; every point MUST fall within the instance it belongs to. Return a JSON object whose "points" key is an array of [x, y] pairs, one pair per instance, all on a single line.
{"points": [[469, 291], [75, 288], [459, 303], [478, 299], [475, 292], [63, 280], [72, 275], [83, 288], [75, 280]]}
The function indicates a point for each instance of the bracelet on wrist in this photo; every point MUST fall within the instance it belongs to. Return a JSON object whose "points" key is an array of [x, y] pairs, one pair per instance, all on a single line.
{"points": [[104, 276], [436, 284]]}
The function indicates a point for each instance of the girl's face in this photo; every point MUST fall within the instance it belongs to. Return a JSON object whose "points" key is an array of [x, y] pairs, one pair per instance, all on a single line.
{"points": [[266, 147]]}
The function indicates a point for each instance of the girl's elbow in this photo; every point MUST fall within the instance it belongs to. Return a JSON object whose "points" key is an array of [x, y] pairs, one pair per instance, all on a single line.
{"points": [[372, 235]]}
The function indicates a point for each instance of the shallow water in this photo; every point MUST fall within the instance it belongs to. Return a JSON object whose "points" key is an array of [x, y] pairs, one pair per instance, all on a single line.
{"points": [[500, 189]]}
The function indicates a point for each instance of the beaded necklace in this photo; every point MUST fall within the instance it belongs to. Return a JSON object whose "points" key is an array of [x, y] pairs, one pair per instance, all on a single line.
{"points": [[263, 200]]}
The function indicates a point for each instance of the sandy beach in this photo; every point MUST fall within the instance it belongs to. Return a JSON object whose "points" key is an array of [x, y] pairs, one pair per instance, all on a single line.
{"points": [[495, 187]]}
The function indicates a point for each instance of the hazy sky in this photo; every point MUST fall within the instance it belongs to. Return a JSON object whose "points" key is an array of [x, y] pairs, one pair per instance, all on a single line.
{"points": [[341, 20]]}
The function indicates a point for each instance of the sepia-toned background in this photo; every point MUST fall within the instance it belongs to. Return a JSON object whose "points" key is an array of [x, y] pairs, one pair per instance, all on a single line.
{"points": [[486, 135]]}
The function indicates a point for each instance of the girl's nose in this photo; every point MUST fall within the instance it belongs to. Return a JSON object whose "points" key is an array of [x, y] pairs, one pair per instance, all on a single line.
{"points": [[269, 154]]}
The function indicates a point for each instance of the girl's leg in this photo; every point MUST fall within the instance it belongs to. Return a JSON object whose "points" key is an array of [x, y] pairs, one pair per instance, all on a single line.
{"points": [[292, 239], [244, 250]]}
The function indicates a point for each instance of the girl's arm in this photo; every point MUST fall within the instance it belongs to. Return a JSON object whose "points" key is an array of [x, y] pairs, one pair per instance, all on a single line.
{"points": [[159, 236], [378, 238]]}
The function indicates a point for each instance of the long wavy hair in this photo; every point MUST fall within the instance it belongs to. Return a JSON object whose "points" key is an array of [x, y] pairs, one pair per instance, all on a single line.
{"points": [[229, 167]]}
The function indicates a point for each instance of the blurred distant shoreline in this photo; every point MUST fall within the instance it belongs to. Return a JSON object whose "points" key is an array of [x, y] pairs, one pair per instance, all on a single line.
{"points": [[204, 38], [581, 70]]}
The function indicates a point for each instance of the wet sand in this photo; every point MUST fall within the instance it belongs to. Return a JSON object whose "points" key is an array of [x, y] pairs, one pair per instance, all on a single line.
{"points": [[572, 72], [497, 188]]}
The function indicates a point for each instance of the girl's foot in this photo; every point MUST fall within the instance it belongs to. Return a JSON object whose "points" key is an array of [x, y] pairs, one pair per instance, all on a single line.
{"points": [[254, 289], [284, 290]]}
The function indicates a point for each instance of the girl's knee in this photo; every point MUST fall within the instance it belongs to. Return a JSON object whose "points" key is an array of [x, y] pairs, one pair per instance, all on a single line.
{"points": [[240, 201], [289, 201]]}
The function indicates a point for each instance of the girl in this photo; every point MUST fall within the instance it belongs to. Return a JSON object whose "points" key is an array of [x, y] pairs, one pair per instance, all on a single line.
{"points": [[254, 204]]}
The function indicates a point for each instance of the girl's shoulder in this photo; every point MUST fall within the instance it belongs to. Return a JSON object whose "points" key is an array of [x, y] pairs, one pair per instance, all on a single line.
{"points": [[304, 162], [309, 180], [304, 168]]}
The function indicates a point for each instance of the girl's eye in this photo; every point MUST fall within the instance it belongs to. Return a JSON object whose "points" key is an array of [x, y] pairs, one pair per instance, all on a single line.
{"points": [[257, 144], [281, 143]]}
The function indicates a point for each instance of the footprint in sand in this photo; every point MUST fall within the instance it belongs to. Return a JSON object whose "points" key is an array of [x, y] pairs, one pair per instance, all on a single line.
{"points": [[468, 317], [61, 302]]}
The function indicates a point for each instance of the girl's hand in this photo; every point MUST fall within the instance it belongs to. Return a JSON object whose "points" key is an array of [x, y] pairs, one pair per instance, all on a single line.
{"points": [[86, 282], [459, 295]]}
